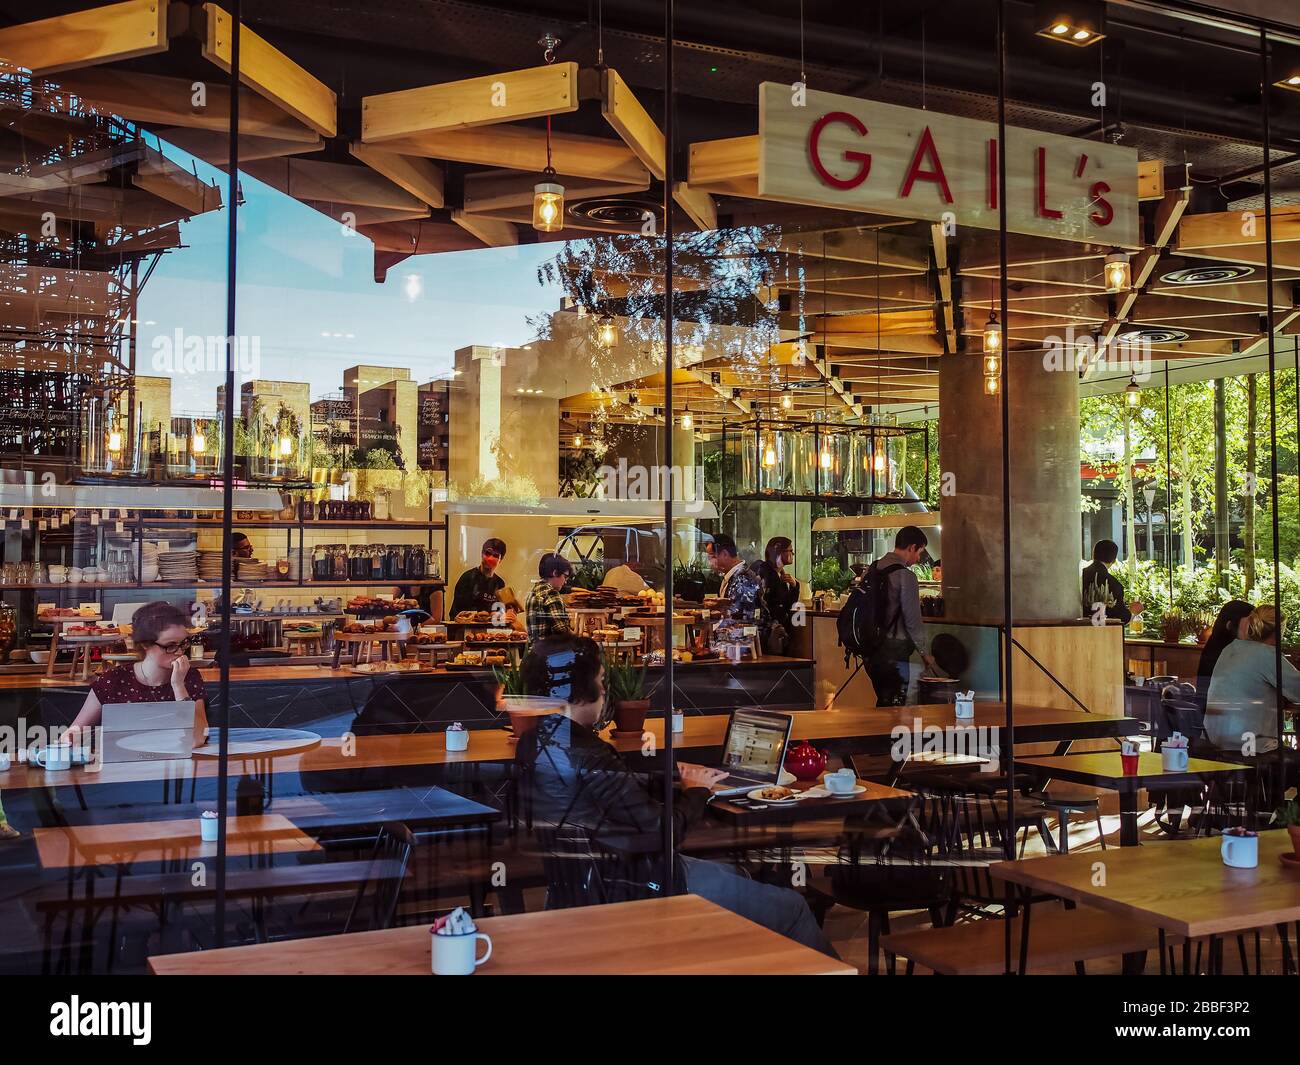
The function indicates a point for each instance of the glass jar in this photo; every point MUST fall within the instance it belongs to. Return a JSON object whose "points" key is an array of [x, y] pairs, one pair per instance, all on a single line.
{"points": [[434, 570], [339, 554], [359, 563], [397, 562], [378, 562], [415, 562], [322, 562]]}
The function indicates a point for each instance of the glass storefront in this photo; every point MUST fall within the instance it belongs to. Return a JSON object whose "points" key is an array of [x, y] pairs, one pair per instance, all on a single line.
{"points": [[468, 462]]}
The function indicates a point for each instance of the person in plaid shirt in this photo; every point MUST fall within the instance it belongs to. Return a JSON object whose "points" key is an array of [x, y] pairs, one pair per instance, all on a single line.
{"points": [[546, 613]]}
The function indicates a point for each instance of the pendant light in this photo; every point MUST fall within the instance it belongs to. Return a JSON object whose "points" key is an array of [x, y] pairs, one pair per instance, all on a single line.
{"points": [[1118, 272], [606, 332], [992, 335], [548, 194], [992, 386], [200, 442], [114, 442], [577, 438], [687, 421], [286, 447], [992, 364], [1132, 393], [787, 399], [769, 453]]}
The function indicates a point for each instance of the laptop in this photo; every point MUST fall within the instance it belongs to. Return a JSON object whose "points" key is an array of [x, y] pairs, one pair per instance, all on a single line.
{"points": [[147, 732], [753, 750]]}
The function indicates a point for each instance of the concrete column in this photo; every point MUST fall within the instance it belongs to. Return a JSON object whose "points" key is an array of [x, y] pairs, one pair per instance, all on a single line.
{"points": [[1045, 554]]}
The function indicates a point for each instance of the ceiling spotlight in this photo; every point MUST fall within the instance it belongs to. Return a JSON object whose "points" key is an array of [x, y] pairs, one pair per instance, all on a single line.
{"points": [[1073, 22]]}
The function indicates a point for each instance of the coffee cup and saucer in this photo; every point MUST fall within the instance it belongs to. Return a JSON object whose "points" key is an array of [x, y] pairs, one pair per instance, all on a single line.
{"points": [[842, 782]]}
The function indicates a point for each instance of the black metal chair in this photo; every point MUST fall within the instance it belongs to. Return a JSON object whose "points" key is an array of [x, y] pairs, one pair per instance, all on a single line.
{"points": [[389, 860]]}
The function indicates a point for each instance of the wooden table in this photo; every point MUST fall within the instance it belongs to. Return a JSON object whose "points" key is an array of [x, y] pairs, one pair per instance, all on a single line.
{"points": [[828, 806], [1104, 770], [84, 846], [1181, 887], [843, 730], [682, 935]]}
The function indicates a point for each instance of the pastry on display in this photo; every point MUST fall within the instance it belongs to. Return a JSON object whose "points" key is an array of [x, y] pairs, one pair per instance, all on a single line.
{"points": [[496, 636], [468, 658]]}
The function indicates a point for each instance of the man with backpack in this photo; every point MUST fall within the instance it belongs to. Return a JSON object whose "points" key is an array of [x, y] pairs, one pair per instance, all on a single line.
{"points": [[881, 623]]}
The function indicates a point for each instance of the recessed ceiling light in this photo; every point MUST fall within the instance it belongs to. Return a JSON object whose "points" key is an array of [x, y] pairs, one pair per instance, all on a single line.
{"points": [[1081, 35], [1060, 28]]}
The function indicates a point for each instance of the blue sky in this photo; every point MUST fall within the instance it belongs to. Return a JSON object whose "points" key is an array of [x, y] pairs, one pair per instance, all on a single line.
{"points": [[301, 277]]}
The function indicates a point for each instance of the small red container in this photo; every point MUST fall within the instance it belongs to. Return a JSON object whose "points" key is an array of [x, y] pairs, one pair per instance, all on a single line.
{"points": [[1130, 764]]}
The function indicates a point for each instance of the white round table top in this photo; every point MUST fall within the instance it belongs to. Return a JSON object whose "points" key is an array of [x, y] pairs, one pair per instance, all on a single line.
{"points": [[251, 742]]}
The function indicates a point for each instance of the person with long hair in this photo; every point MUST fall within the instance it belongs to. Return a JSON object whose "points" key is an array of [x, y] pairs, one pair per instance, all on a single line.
{"points": [[1228, 626], [162, 674], [1241, 705], [578, 781], [778, 591]]}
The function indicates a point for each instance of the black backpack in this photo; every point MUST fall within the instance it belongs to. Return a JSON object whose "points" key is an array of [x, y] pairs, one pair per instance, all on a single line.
{"points": [[862, 624]]}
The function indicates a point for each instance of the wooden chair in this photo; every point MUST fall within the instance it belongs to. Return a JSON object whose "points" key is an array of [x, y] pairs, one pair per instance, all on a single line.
{"points": [[1057, 938]]}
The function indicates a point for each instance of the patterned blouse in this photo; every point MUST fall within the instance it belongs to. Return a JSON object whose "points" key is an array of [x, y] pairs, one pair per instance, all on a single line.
{"points": [[121, 685]]}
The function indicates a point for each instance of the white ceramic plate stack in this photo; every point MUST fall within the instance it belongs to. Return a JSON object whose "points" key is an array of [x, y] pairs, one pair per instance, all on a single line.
{"points": [[178, 565], [210, 565], [149, 562], [250, 569]]}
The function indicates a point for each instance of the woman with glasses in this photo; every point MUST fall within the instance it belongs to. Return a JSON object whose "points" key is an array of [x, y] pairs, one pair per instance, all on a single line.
{"points": [[162, 674]]}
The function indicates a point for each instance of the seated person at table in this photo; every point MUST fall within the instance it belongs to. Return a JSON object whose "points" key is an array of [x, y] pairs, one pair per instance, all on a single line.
{"points": [[740, 585], [1241, 705], [579, 781], [163, 674], [1228, 626], [546, 613], [1099, 586], [479, 588]]}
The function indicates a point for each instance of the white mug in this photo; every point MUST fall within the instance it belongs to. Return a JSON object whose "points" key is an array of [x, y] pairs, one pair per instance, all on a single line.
{"points": [[5, 763], [208, 829], [679, 722], [54, 758], [964, 708], [455, 955], [457, 739], [1174, 759], [1240, 852], [841, 782]]}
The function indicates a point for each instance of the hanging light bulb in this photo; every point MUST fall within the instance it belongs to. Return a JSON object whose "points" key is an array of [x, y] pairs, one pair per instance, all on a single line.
{"points": [[825, 458], [1132, 393], [992, 385], [992, 364], [878, 463], [606, 332], [286, 446], [787, 400], [992, 335], [114, 442], [687, 421], [1118, 272], [769, 453], [200, 442], [577, 439], [548, 207]]}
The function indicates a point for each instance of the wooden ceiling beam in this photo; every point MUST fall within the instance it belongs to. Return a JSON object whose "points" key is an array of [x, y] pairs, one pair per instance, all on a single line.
{"points": [[165, 101], [86, 38], [420, 177], [727, 167], [518, 148], [511, 96], [214, 148], [503, 190], [270, 73], [309, 179], [492, 232]]}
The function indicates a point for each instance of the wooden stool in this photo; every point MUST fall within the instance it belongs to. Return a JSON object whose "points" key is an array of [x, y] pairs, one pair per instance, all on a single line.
{"points": [[304, 643]]}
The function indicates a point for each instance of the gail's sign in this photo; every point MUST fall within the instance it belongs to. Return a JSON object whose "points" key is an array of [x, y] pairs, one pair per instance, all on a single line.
{"points": [[860, 155]]}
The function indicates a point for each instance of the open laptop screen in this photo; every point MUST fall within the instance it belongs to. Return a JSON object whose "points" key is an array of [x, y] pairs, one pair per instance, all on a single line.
{"points": [[755, 744]]}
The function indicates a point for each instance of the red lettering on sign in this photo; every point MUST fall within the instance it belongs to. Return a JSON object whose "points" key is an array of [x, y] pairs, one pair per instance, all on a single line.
{"points": [[993, 175], [863, 159], [1105, 213], [1043, 210], [925, 149]]}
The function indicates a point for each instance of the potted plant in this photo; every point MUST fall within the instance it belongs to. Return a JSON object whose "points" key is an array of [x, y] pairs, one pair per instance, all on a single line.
{"points": [[626, 685], [1288, 815]]}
